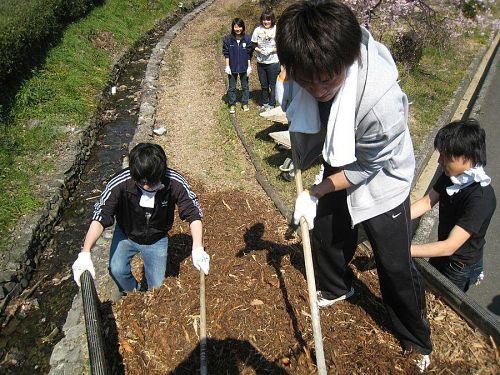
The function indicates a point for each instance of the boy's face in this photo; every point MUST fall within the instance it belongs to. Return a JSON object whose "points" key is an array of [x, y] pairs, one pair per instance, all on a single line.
{"points": [[322, 87], [454, 166], [150, 187]]}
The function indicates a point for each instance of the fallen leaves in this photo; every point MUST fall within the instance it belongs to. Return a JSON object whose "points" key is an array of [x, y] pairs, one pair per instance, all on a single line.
{"points": [[258, 310]]}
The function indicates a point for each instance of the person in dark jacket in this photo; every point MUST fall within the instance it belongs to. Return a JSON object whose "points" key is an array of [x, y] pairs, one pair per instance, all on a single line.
{"points": [[142, 199], [237, 49]]}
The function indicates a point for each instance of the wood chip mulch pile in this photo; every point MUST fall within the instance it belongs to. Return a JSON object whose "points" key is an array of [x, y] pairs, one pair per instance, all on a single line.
{"points": [[258, 319]]}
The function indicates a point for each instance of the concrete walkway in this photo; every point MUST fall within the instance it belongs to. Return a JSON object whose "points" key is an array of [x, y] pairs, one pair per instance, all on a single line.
{"points": [[487, 111]]}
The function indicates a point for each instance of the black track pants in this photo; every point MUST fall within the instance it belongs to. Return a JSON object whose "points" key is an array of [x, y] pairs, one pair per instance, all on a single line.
{"points": [[334, 244]]}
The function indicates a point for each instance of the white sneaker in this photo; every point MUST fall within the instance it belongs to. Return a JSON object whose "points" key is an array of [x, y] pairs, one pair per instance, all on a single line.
{"points": [[287, 165], [325, 302], [265, 108], [423, 362]]}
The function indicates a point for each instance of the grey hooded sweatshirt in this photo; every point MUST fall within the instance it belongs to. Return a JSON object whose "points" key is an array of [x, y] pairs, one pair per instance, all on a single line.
{"points": [[382, 174]]}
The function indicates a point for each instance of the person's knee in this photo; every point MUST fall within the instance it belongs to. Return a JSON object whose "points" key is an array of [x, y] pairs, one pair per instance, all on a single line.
{"points": [[155, 265], [396, 275], [155, 276]]}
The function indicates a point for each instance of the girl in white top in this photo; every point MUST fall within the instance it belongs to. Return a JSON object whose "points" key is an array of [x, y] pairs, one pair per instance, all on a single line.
{"points": [[268, 66]]}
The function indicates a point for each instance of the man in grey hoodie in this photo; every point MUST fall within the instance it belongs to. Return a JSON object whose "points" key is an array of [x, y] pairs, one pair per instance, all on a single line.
{"points": [[343, 102]]}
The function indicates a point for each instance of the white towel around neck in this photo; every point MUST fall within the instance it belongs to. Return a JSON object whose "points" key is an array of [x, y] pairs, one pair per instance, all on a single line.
{"points": [[476, 174], [339, 146], [148, 196], [303, 115]]}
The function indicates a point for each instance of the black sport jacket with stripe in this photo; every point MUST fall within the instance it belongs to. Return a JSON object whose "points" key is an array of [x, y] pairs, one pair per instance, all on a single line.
{"points": [[120, 201]]}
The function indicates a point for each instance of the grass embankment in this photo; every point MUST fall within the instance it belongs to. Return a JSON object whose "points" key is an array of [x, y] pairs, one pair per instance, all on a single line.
{"points": [[61, 95], [430, 88], [432, 85]]}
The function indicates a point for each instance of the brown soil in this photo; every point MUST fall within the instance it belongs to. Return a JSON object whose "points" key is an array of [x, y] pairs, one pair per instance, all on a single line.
{"points": [[258, 318]]}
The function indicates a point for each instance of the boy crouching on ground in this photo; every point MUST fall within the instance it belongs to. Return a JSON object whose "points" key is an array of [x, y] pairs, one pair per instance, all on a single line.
{"points": [[142, 200], [466, 204]]}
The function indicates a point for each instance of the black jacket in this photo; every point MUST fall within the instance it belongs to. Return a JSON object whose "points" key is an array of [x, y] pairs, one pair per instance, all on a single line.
{"points": [[120, 200]]}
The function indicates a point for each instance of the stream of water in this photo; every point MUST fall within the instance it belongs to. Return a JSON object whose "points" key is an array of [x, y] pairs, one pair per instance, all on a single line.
{"points": [[27, 340]]}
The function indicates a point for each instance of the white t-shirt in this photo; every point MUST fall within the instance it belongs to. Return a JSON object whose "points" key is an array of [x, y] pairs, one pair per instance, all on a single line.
{"points": [[266, 40]]}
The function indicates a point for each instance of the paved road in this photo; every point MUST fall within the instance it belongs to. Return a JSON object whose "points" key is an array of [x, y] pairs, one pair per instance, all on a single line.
{"points": [[487, 111]]}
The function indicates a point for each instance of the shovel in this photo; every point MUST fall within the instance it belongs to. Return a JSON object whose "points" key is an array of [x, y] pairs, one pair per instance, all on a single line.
{"points": [[311, 285], [203, 327]]}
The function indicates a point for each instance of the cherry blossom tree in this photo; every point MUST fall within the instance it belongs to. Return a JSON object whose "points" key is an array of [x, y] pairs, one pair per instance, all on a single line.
{"points": [[392, 16]]}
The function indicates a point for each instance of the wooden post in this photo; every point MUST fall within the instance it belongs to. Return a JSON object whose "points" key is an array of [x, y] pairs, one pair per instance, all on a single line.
{"points": [[311, 284], [203, 327]]}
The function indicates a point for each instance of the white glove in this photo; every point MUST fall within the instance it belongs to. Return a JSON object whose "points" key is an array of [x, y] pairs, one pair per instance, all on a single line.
{"points": [[201, 260], [82, 263], [305, 205], [227, 69], [249, 70]]}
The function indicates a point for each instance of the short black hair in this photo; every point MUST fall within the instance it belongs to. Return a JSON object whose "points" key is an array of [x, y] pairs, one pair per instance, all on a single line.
{"points": [[317, 36], [147, 163], [240, 23], [268, 14], [462, 138]]}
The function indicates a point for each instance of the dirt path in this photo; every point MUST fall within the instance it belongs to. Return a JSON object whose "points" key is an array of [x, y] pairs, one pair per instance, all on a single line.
{"points": [[190, 107], [258, 318]]}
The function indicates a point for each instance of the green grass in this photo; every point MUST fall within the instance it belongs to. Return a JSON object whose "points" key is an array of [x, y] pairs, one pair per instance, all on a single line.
{"points": [[64, 91], [431, 86], [257, 131], [230, 147]]}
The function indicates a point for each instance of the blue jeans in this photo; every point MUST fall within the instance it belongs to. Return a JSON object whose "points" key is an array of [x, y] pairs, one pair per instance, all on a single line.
{"points": [[154, 257], [231, 91], [268, 73], [460, 274]]}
